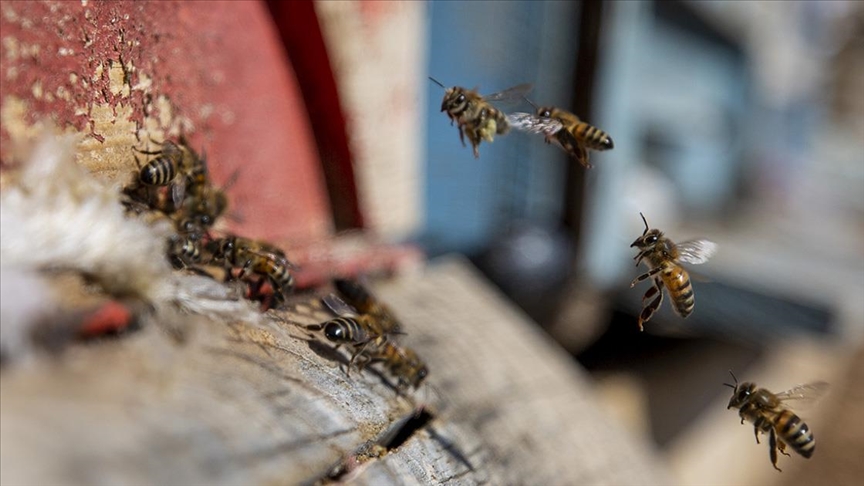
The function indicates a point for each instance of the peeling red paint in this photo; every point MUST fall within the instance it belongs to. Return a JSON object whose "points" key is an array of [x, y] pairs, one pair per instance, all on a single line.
{"points": [[219, 64]]}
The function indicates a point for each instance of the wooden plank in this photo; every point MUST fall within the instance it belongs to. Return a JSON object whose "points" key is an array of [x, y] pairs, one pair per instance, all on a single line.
{"points": [[252, 403]]}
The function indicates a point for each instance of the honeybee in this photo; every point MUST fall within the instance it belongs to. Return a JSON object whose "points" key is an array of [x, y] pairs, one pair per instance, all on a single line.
{"points": [[357, 331], [184, 250], [401, 362], [474, 114], [663, 259], [256, 257], [565, 129], [171, 161], [361, 299], [766, 412]]}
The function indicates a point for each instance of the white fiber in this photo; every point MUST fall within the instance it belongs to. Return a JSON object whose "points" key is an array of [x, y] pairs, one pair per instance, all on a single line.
{"points": [[55, 216]]}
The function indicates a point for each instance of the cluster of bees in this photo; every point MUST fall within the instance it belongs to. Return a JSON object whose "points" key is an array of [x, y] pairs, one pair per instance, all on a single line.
{"points": [[176, 184], [478, 119]]}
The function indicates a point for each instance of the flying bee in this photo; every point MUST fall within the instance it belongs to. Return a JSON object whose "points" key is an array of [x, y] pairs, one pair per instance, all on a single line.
{"points": [[401, 362], [474, 114], [664, 260], [565, 129], [766, 412], [256, 257]]}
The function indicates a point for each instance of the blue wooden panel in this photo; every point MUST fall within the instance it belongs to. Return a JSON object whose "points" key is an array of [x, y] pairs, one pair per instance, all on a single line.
{"points": [[493, 45]]}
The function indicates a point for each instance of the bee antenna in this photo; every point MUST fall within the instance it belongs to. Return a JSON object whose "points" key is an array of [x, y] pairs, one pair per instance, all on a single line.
{"points": [[734, 378], [530, 103], [731, 386], [646, 231], [437, 82]]}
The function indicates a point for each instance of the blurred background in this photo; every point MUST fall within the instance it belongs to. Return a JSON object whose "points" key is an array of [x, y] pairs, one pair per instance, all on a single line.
{"points": [[738, 122]]}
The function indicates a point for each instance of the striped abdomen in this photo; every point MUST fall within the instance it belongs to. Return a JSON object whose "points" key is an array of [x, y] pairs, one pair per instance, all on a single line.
{"points": [[159, 172], [591, 136], [677, 282], [795, 433], [278, 273], [344, 330]]}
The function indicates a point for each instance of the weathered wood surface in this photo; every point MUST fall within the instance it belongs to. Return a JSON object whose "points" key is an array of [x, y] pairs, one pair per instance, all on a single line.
{"points": [[250, 403]]}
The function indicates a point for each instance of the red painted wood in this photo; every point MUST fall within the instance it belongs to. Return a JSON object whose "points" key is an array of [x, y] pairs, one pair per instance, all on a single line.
{"points": [[221, 65], [300, 31]]}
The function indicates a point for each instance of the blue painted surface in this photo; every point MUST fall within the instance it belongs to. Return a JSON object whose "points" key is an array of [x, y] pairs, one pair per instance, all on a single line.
{"points": [[493, 46]]}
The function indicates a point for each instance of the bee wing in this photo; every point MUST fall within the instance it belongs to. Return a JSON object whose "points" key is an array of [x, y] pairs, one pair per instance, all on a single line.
{"points": [[514, 93], [338, 306], [527, 122], [178, 191], [696, 252], [805, 393]]}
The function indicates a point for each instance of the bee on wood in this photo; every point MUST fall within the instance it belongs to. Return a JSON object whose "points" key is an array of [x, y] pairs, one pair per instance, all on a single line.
{"points": [[184, 250], [474, 114], [401, 362], [767, 413], [359, 297], [564, 129], [358, 331], [664, 259], [257, 257], [174, 166]]}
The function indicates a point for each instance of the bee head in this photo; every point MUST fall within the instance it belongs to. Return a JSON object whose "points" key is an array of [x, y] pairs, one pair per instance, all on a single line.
{"points": [[740, 392], [222, 248], [455, 100], [545, 112], [649, 237]]}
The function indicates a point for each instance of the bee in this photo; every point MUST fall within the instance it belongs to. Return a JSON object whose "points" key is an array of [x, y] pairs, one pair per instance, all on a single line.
{"points": [[257, 257], [175, 165], [184, 250], [361, 299], [664, 258], [355, 330], [474, 115], [565, 129], [401, 362], [766, 412]]}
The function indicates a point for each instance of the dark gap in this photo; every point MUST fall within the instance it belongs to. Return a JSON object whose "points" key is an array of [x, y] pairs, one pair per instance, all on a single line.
{"points": [[394, 437], [590, 24], [298, 27], [408, 429]]}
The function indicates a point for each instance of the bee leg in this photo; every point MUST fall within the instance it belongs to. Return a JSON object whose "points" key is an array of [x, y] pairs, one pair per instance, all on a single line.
{"points": [[476, 152], [244, 270], [461, 134], [649, 274], [756, 433], [781, 446], [649, 309], [358, 353], [772, 442], [651, 292]]}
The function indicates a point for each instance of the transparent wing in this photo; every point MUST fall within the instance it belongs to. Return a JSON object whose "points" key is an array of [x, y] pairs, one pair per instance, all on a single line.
{"points": [[527, 122], [805, 394], [514, 93], [696, 252], [178, 191], [338, 306]]}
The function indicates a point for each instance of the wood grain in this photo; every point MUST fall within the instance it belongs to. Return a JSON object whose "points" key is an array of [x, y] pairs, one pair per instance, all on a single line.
{"points": [[255, 403]]}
